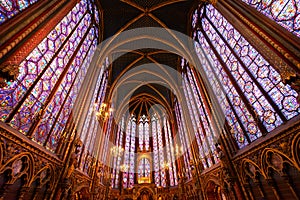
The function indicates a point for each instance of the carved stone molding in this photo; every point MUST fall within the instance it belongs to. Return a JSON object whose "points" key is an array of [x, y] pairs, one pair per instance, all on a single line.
{"points": [[272, 157], [80, 181], [27, 145], [18, 163]]}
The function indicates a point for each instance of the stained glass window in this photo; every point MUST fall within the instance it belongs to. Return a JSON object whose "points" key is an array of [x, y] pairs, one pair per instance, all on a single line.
{"points": [[129, 155], [163, 152], [141, 134], [105, 153], [284, 12], [170, 153], [144, 133], [8, 9], [48, 85], [155, 151], [118, 158], [183, 146], [95, 103], [205, 134], [147, 135], [132, 154], [35, 64], [249, 90], [144, 168]]}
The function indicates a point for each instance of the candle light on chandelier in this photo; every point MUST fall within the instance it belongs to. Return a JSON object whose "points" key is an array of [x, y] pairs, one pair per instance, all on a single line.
{"points": [[166, 165], [117, 151], [124, 168], [103, 112]]}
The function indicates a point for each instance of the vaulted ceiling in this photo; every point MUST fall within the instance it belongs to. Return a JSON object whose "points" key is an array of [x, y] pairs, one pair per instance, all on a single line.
{"points": [[123, 15]]}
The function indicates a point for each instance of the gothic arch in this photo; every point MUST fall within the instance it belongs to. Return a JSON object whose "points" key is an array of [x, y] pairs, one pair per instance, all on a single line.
{"points": [[146, 190], [152, 191], [274, 159], [44, 176], [21, 165], [208, 180], [250, 169], [213, 190]]}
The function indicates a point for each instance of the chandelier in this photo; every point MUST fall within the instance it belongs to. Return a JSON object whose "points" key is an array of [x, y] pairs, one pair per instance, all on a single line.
{"points": [[117, 151], [103, 112], [124, 168]]}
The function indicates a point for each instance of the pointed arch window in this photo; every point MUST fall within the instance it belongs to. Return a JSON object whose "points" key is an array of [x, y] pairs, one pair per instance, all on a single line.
{"points": [[250, 91], [144, 170], [144, 133], [129, 154], [90, 128], [159, 148], [163, 152], [156, 160]]}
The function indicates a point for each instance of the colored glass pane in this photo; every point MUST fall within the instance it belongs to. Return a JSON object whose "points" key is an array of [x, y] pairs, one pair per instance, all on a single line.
{"points": [[169, 152], [32, 67], [8, 9], [72, 86], [144, 168], [239, 69], [183, 148], [146, 140], [284, 12], [141, 135], [126, 154], [44, 86], [155, 151]]}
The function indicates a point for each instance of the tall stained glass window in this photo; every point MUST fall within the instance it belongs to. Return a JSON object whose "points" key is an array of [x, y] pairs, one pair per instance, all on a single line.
{"points": [[284, 12], [117, 159], [205, 134], [250, 91], [96, 102], [40, 101], [163, 152], [158, 158], [144, 168], [183, 146], [129, 154], [170, 153], [9, 8], [144, 133]]}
